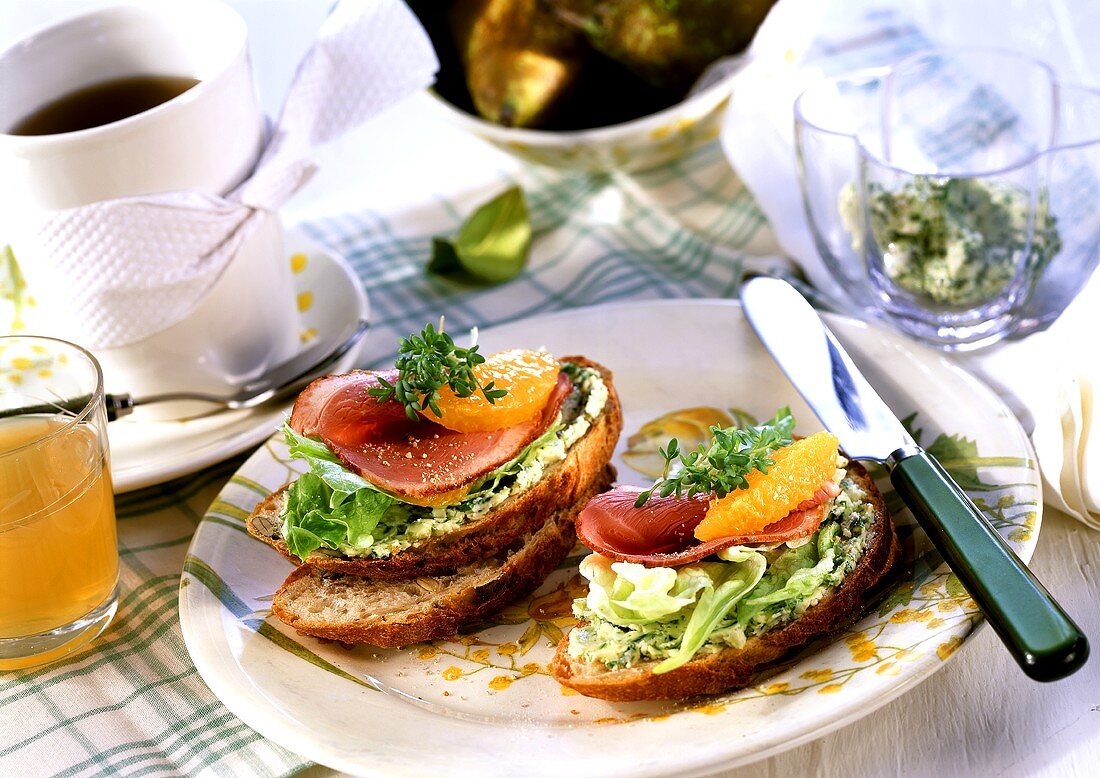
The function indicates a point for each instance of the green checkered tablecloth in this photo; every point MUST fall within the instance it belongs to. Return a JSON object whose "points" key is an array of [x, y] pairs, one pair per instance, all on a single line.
{"points": [[133, 703], [686, 230]]}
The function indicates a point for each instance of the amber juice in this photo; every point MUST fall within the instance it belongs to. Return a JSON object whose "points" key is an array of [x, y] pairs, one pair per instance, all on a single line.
{"points": [[58, 552]]}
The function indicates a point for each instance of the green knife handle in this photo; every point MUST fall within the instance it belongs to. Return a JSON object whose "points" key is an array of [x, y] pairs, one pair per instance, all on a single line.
{"points": [[1038, 633]]}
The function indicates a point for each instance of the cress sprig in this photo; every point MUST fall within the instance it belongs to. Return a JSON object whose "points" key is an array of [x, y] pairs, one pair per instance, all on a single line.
{"points": [[724, 465], [426, 363]]}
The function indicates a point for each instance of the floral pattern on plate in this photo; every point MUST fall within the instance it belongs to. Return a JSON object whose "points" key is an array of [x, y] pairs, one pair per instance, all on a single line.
{"points": [[492, 679]]}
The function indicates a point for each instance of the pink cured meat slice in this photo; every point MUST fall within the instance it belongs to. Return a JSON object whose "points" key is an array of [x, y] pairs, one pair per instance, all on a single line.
{"points": [[661, 533]]}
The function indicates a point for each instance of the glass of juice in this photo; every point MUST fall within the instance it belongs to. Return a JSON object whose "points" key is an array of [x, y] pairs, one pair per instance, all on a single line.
{"points": [[58, 546]]}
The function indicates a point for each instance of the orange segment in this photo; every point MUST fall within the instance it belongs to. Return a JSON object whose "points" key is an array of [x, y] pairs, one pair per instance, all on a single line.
{"points": [[529, 378], [799, 470]]}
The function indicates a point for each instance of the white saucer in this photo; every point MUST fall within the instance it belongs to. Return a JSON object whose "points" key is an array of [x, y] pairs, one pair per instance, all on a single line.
{"points": [[145, 451]]}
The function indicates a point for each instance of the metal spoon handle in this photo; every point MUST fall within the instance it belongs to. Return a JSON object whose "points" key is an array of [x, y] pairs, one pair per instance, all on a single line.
{"points": [[118, 405], [285, 379]]}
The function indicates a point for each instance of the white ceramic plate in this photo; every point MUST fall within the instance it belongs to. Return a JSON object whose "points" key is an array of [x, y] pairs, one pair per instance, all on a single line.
{"points": [[145, 451], [483, 703]]}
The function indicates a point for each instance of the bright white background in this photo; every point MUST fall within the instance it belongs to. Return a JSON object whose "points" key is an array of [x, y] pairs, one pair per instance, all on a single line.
{"points": [[979, 716]]}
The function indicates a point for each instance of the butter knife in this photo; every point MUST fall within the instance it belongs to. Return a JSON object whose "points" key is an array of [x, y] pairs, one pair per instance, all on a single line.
{"points": [[1037, 632]]}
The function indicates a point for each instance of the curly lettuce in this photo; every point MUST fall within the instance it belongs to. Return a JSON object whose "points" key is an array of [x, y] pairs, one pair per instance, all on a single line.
{"points": [[627, 594], [343, 517], [802, 581], [329, 506]]}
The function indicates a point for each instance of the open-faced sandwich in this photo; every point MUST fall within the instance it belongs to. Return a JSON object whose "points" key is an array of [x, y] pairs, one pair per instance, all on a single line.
{"points": [[437, 492], [757, 543]]}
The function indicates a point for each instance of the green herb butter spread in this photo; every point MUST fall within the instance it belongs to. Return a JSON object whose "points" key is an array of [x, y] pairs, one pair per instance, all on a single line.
{"points": [[955, 241], [636, 614], [311, 510]]}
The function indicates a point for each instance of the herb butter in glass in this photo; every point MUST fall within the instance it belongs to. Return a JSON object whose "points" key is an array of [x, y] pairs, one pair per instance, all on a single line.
{"points": [[955, 194], [952, 241]]}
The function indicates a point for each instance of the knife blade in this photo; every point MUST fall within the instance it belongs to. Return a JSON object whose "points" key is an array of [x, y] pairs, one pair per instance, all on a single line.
{"points": [[1039, 634]]}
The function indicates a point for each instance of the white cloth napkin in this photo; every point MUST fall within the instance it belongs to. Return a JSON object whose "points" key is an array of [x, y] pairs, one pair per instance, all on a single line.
{"points": [[1054, 397], [1054, 392], [126, 269]]}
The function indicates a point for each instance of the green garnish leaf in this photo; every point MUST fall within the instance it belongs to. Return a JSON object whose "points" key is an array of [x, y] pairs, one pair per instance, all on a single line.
{"points": [[493, 244], [724, 465], [444, 257], [426, 363]]}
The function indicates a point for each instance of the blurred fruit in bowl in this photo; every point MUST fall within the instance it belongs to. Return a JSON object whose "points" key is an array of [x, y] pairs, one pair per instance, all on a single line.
{"points": [[520, 62], [593, 85], [669, 43]]}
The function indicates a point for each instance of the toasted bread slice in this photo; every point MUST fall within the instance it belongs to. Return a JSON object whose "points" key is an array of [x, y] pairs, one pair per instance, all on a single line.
{"points": [[561, 487], [734, 668], [354, 609]]}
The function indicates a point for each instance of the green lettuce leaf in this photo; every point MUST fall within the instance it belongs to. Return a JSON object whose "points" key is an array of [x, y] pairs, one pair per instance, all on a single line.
{"points": [[730, 582], [362, 514], [326, 465], [626, 593], [305, 448], [803, 579], [314, 518], [304, 527]]}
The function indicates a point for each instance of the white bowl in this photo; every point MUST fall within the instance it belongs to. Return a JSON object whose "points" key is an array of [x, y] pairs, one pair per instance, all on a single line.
{"points": [[638, 144]]}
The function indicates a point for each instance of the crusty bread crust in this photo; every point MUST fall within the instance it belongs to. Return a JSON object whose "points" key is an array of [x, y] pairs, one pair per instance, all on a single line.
{"points": [[391, 614], [560, 487], [734, 668]]}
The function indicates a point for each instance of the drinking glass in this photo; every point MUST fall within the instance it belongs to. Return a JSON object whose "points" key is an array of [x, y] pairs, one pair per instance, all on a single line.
{"points": [[956, 193], [58, 546]]}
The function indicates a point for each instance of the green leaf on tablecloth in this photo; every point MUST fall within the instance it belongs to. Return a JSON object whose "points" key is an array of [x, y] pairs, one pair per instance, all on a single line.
{"points": [[444, 257], [493, 244]]}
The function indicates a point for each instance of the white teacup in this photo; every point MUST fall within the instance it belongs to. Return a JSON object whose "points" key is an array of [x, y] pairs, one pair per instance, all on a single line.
{"points": [[207, 139]]}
